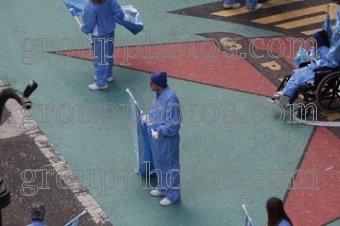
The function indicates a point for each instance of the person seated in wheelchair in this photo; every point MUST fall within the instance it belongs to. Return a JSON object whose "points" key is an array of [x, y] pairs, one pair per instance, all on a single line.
{"points": [[304, 74]]}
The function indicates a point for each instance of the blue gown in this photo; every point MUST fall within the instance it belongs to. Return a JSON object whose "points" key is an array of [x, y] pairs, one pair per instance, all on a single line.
{"points": [[249, 3], [284, 223], [165, 118], [305, 74], [99, 20]]}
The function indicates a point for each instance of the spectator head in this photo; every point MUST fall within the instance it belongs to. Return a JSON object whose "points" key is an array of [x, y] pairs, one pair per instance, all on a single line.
{"points": [[276, 212], [38, 211], [321, 38]]}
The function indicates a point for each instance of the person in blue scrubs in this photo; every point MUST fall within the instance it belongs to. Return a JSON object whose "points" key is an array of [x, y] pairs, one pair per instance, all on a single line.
{"points": [[276, 213], [305, 74], [163, 129], [99, 20], [38, 213], [250, 4]]}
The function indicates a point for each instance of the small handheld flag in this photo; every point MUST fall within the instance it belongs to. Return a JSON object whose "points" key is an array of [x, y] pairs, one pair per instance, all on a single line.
{"points": [[75, 221], [247, 219]]}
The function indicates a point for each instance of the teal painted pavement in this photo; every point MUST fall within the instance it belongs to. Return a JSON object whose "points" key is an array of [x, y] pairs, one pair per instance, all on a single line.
{"points": [[230, 153]]}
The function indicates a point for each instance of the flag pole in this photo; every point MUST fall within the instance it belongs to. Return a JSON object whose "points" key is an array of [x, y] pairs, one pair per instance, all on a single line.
{"points": [[134, 101], [328, 8]]}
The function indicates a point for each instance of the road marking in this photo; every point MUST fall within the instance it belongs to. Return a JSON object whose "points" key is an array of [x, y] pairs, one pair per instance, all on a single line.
{"points": [[297, 13], [242, 10], [304, 22], [310, 32]]}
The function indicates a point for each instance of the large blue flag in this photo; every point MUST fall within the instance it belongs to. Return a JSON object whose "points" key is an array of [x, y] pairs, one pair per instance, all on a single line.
{"points": [[140, 139], [75, 221], [135, 24]]}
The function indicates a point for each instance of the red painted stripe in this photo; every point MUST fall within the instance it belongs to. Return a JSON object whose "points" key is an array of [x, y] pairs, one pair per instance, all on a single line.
{"points": [[233, 73], [318, 206]]}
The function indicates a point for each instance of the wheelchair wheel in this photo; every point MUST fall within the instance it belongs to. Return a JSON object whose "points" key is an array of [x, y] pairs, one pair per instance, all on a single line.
{"points": [[328, 93]]}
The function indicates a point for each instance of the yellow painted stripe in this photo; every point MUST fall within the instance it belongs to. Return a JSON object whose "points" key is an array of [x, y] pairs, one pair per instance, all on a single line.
{"points": [[305, 22], [310, 32], [265, 5], [331, 116], [297, 13]]}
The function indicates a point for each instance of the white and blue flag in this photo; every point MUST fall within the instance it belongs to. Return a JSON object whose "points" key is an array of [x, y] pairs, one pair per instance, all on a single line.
{"points": [[75, 221], [140, 140], [247, 219], [135, 24]]}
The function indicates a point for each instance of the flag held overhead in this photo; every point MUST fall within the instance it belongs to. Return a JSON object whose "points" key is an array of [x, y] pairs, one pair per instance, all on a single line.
{"points": [[76, 7]]}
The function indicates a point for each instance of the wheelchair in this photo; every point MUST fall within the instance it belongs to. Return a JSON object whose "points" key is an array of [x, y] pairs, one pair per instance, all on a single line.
{"points": [[323, 90]]}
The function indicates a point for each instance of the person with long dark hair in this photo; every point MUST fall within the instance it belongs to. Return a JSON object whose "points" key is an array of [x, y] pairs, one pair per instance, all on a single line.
{"points": [[276, 213], [99, 20]]}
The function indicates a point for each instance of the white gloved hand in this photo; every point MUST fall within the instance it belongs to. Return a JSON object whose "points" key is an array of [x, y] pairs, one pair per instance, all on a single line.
{"points": [[80, 26], [154, 134], [145, 118], [127, 18]]}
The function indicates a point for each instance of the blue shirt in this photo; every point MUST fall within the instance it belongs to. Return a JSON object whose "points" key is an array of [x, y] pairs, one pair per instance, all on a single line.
{"points": [[99, 18], [37, 223], [284, 223]]}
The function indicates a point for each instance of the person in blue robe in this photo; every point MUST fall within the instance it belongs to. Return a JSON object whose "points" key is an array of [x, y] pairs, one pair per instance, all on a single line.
{"points": [[305, 74], [99, 20], [164, 123]]}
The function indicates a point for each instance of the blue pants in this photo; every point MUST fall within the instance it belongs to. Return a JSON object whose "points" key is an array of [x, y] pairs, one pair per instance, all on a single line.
{"points": [[103, 57], [297, 80], [249, 3], [165, 153]]}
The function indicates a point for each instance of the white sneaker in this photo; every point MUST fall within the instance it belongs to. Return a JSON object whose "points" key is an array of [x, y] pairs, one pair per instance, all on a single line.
{"points": [[109, 79], [157, 193], [232, 6], [258, 6], [277, 95], [95, 87], [165, 202]]}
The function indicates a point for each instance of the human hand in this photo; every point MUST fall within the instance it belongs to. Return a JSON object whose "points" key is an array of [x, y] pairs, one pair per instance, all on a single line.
{"points": [[145, 118], [127, 18], [154, 134]]}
